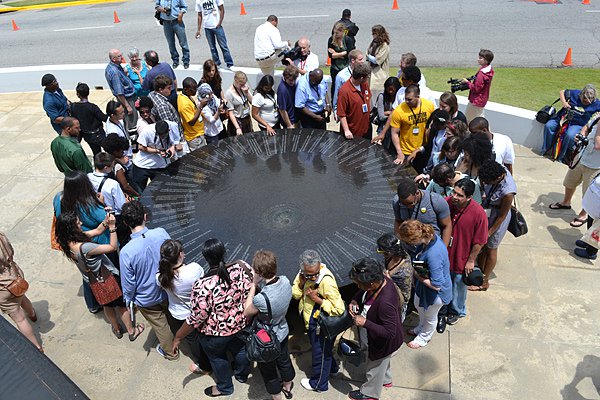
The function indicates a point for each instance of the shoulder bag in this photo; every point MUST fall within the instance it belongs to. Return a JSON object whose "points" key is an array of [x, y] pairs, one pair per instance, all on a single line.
{"points": [[262, 344], [546, 113], [517, 225], [374, 116], [332, 325], [104, 286]]}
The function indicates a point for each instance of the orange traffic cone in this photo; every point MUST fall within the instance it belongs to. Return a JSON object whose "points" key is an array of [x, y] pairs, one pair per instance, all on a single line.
{"points": [[117, 20], [568, 62], [585, 2], [395, 5], [242, 9], [15, 27], [328, 63]]}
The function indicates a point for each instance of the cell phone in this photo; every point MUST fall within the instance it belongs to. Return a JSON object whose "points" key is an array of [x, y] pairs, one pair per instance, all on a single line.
{"points": [[421, 267], [111, 212]]}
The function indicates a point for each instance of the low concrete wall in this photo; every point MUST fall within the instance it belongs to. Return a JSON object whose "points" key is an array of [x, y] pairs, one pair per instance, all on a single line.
{"points": [[515, 122]]}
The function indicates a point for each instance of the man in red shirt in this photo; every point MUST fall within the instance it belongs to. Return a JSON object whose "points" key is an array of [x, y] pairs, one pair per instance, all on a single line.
{"points": [[354, 104], [469, 234]]}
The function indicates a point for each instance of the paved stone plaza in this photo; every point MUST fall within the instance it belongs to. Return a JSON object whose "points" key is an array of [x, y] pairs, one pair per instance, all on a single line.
{"points": [[533, 335]]}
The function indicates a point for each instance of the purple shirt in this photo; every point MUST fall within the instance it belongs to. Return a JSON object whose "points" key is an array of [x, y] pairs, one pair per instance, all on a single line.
{"points": [[286, 96]]}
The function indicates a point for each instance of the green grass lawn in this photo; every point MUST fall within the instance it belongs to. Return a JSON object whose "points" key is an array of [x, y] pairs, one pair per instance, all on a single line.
{"points": [[529, 88]]}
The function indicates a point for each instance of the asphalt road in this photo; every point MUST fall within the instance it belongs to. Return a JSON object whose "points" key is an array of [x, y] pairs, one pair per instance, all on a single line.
{"points": [[439, 32]]}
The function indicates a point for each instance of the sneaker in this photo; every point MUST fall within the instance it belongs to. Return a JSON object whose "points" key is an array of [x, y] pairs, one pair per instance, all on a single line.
{"points": [[175, 65], [95, 310], [241, 379], [186, 66], [452, 319], [305, 383], [581, 243], [165, 355], [584, 254], [441, 325], [388, 385], [357, 395]]}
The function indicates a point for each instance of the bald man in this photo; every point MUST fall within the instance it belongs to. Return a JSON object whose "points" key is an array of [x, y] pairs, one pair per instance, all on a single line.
{"points": [[308, 61], [121, 86]]}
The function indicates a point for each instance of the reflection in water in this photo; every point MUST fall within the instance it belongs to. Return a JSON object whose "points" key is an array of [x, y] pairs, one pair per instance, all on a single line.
{"points": [[296, 190]]}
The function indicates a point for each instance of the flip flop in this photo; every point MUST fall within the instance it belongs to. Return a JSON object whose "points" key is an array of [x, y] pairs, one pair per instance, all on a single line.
{"points": [[577, 222], [116, 332], [558, 206], [209, 392], [288, 393], [137, 331]]}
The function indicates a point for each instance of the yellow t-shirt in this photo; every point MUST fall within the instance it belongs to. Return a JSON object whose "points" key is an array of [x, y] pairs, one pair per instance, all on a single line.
{"points": [[408, 120], [187, 109]]}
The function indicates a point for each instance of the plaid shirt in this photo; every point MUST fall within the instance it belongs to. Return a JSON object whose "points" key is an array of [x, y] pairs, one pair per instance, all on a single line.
{"points": [[118, 81], [163, 110]]}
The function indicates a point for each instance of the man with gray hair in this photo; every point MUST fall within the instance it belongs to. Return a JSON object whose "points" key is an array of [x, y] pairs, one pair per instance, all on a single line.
{"points": [[121, 87], [308, 61], [583, 104], [317, 290]]}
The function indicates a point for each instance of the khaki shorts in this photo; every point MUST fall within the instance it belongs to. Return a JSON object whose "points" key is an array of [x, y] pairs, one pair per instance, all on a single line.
{"points": [[9, 303], [473, 111], [580, 175]]}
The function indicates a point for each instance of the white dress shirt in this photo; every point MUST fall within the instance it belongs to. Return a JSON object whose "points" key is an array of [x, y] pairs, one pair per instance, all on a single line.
{"points": [[111, 191], [267, 39]]}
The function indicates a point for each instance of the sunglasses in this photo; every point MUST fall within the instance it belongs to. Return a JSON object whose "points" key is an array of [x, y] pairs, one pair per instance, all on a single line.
{"points": [[309, 276]]}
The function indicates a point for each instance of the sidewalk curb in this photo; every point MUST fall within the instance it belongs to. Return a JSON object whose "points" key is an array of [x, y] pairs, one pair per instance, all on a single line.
{"points": [[5, 9]]}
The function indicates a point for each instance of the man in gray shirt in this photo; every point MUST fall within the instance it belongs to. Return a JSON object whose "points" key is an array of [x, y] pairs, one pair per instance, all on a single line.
{"points": [[429, 208]]}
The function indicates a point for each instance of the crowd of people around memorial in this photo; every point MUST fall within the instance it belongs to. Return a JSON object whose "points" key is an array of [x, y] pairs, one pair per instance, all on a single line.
{"points": [[450, 219]]}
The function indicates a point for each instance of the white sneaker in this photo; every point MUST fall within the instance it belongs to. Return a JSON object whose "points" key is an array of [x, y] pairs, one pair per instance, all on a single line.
{"points": [[305, 383]]}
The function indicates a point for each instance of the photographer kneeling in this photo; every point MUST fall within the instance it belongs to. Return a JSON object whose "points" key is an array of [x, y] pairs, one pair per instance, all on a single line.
{"points": [[583, 104], [584, 172]]}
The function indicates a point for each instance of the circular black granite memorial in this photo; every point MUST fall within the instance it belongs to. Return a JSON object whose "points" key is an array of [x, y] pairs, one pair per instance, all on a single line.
{"points": [[301, 189]]}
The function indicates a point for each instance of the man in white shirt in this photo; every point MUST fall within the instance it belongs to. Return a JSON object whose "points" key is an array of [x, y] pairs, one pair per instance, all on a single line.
{"points": [[308, 61], [411, 75], [267, 40], [210, 17], [110, 188], [502, 145], [157, 150]]}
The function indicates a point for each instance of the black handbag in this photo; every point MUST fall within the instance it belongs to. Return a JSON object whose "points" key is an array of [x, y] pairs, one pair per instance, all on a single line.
{"points": [[331, 326], [546, 113], [158, 18], [262, 344], [517, 225], [351, 351], [374, 115]]}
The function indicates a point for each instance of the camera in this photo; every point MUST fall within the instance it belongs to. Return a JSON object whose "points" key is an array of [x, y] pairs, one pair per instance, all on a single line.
{"points": [[292, 54], [169, 153], [581, 140], [111, 212], [458, 85], [167, 10]]}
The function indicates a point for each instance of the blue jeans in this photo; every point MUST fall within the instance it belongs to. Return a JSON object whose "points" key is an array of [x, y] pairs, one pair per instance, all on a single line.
{"points": [[172, 29], [551, 128], [323, 362], [458, 305], [216, 348], [219, 34]]}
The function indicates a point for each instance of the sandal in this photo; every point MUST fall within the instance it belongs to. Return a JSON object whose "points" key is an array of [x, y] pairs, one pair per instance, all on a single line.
{"points": [[209, 392], [137, 331], [577, 222], [288, 393], [558, 206], [116, 332], [481, 288], [414, 345], [33, 318]]}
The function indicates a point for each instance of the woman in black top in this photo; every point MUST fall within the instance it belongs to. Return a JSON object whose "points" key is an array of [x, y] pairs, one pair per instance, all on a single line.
{"points": [[90, 118]]}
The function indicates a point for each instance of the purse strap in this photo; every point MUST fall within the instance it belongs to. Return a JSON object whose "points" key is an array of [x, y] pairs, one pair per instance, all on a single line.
{"points": [[269, 312]]}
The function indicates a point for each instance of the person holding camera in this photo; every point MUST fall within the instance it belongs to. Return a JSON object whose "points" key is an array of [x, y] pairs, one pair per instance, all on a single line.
{"points": [[469, 235], [190, 112], [163, 108], [579, 105], [584, 172], [211, 112], [308, 60], [432, 273], [312, 100], [479, 88], [380, 326], [156, 151], [171, 17], [267, 42], [317, 290]]}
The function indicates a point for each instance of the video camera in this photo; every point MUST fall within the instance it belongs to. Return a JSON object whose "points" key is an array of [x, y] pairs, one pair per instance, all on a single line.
{"points": [[293, 54], [457, 84]]}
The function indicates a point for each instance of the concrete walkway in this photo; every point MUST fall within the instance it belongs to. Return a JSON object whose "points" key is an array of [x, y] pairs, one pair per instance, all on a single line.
{"points": [[530, 336]]}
